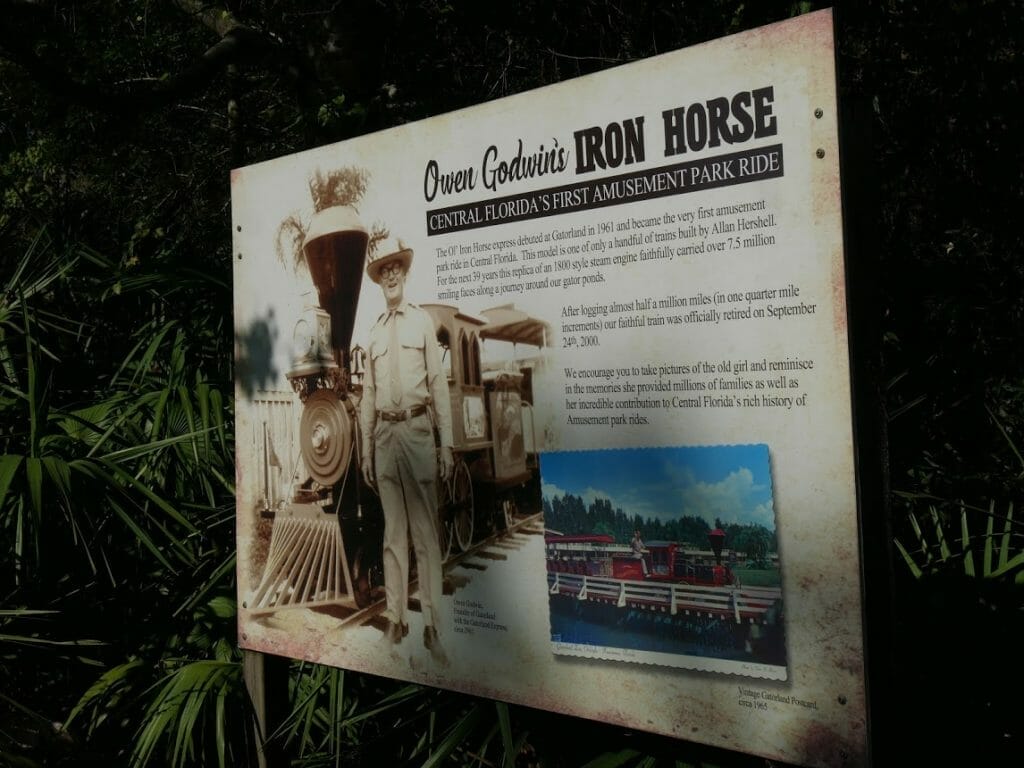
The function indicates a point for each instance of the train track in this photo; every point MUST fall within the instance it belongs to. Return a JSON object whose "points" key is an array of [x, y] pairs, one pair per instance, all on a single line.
{"points": [[371, 614]]}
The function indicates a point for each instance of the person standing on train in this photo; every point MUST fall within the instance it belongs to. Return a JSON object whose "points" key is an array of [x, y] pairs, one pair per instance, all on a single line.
{"points": [[403, 379], [639, 550]]}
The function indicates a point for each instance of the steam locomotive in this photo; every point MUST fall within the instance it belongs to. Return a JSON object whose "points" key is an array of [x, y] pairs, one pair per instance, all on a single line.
{"points": [[325, 523]]}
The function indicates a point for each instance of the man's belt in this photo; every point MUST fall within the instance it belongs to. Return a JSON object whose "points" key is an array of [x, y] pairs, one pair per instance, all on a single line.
{"points": [[402, 415]]}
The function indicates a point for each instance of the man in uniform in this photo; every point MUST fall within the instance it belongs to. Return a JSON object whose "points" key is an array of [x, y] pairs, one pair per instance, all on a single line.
{"points": [[403, 379]]}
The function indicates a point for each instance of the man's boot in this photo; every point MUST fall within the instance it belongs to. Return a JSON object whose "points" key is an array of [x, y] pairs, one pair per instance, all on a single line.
{"points": [[433, 644], [395, 632]]}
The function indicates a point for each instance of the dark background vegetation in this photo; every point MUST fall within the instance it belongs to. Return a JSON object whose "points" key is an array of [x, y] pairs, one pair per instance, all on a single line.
{"points": [[119, 123]]}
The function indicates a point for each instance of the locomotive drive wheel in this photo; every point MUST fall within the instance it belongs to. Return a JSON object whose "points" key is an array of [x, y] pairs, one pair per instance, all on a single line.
{"points": [[445, 520], [462, 505]]}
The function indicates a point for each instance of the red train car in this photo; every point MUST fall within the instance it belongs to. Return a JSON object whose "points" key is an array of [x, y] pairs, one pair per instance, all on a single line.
{"points": [[662, 561]]}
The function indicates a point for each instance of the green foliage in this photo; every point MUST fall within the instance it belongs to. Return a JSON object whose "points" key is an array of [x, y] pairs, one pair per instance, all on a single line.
{"points": [[998, 553], [116, 464], [110, 484], [27, 178], [569, 514], [756, 541], [190, 712]]}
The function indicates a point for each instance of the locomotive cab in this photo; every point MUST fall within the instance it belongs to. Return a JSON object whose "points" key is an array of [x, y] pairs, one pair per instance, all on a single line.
{"points": [[492, 419]]}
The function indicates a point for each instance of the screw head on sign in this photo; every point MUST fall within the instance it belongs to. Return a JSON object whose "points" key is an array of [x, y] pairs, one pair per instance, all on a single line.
{"points": [[820, 153], [819, 112]]}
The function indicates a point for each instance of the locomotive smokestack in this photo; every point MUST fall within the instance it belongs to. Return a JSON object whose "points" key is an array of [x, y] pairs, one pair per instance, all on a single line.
{"points": [[717, 539], [335, 250]]}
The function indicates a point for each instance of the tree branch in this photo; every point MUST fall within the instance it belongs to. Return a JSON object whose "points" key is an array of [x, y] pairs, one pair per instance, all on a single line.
{"points": [[238, 43], [220, 21]]}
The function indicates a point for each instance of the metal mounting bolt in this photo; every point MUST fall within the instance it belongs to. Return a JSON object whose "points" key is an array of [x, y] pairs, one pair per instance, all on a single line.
{"points": [[819, 112], [820, 154]]}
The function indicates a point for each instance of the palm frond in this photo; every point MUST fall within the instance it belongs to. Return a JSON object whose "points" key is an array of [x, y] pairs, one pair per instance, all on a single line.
{"points": [[994, 554], [455, 736], [108, 689], [505, 725], [189, 713]]}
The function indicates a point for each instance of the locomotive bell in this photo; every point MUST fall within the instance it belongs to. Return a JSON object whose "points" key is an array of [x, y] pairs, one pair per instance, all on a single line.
{"points": [[335, 250]]}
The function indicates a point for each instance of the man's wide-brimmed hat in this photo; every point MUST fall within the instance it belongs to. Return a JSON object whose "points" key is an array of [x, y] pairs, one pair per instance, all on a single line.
{"points": [[387, 251]]}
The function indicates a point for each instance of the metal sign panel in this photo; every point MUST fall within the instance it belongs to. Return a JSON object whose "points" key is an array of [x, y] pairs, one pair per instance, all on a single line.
{"points": [[548, 400]]}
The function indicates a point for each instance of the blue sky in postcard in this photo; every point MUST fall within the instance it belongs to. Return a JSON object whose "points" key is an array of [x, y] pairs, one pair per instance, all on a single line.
{"points": [[731, 482]]}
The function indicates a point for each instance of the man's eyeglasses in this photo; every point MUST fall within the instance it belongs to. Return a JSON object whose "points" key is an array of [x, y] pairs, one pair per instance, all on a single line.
{"points": [[392, 269]]}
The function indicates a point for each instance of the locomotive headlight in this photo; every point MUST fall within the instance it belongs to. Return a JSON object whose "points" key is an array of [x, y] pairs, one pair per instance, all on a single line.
{"points": [[303, 343], [311, 344]]}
